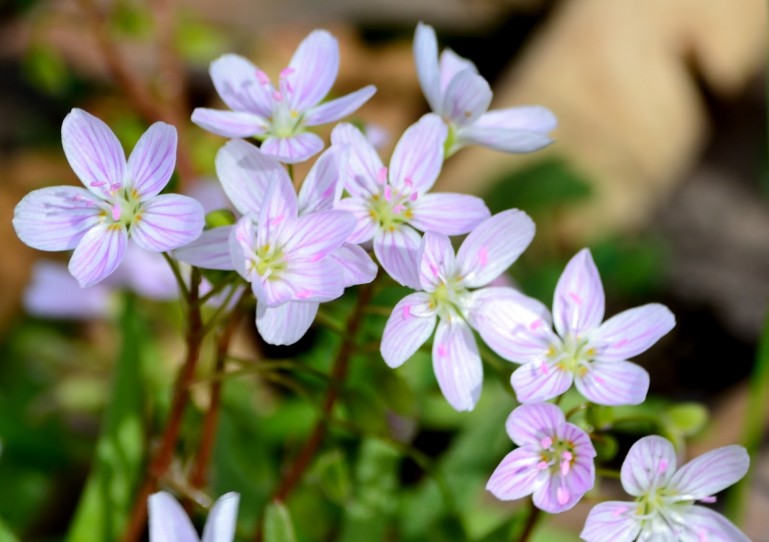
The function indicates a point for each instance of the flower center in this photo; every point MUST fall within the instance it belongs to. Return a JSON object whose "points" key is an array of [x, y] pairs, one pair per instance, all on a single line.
{"points": [[572, 355], [285, 120], [122, 207], [268, 262], [391, 207]]}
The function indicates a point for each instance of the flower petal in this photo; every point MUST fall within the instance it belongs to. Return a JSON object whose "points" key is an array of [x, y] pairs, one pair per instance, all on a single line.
{"points": [[339, 108], [613, 383], [704, 524], [356, 265], [242, 244], [410, 324], [529, 424], [466, 98], [229, 123], [711, 472], [93, 151], [168, 522], [451, 214], [153, 160], [365, 226], [611, 521], [493, 246], [278, 211], [457, 364], [452, 64], [418, 156], [436, 260], [650, 462], [398, 252], [55, 218], [362, 167], [167, 222], [426, 60], [315, 65], [210, 251], [53, 293], [305, 280], [560, 493], [98, 254], [516, 476], [238, 85], [540, 381], [294, 149], [220, 525], [516, 130], [631, 332], [578, 303], [515, 326], [286, 323], [317, 234], [322, 188]]}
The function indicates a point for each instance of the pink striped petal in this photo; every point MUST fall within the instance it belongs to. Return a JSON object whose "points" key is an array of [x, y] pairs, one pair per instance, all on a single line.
{"points": [[515, 130], [529, 424], [222, 519], [436, 261], [363, 166], [578, 303], [339, 108], [356, 265], [315, 65], [409, 326], [286, 323], [560, 493], [515, 326], [210, 251], [315, 235], [540, 381], [418, 156], [243, 243], [167, 222], [611, 521], [631, 332], [238, 85], [613, 383], [451, 64], [55, 218], [650, 462], [305, 280], [278, 211], [365, 226], [451, 214], [516, 476], [245, 173], [293, 149], [322, 188], [713, 471], [152, 161], [168, 522], [398, 253], [457, 365], [98, 254], [93, 151], [426, 59], [466, 98], [229, 123], [493, 246], [702, 524]]}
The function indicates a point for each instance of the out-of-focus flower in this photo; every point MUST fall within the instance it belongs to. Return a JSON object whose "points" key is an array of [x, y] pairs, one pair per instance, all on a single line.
{"points": [[280, 115], [553, 461], [168, 522], [583, 350], [446, 282], [121, 200], [461, 97], [54, 293], [665, 509], [389, 203]]}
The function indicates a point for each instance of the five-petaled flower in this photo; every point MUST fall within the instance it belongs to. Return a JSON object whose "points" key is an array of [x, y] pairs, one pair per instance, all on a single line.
{"points": [[553, 461], [168, 522], [446, 281], [461, 97], [584, 351], [121, 200], [665, 509], [280, 115]]}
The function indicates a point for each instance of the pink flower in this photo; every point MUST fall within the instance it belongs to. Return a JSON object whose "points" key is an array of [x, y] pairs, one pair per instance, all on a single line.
{"points": [[447, 283], [391, 204], [120, 200], [280, 115], [553, 461], [461, 97], [168, 522], [665, 509], [582, 350]]}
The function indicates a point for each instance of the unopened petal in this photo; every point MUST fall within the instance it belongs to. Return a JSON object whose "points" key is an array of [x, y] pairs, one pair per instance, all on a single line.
{"points": [[167, 222], [713, 471], [516, 476], [220, 525], [153, 160], [314, 66], [578, 302], [418, 156], [457, 365], [339, 108], [229, 123], [436, 261], [426, 60], [286, 323], [236, 81], [98, 254], [613, 383], [611, 521], [650, 462], [293, 149], [631, 332], [168, 522], [210, 251], [398, 252], [410, 324], [451, 214]]}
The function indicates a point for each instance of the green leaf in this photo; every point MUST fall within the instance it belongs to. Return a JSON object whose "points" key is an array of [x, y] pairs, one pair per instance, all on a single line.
{"points": [[333, 474], [687, 418], [277, 524], [5, 533], [45, 68]]}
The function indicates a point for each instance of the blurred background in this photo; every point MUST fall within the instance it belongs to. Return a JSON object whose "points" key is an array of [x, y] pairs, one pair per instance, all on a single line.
{"points": [[659, 165]]}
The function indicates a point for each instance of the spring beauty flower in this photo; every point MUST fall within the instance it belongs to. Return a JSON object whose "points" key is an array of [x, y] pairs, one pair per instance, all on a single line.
{"points": [[168, 522], [665, 509], [582, 350], [453, 294], [391, 204], [461, 97], [120, 200], [279, 115], [553, 461]]}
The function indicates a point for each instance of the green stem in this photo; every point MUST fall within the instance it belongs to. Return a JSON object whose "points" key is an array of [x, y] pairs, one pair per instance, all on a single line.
{"points": [[177, 275], [531, 522]]}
